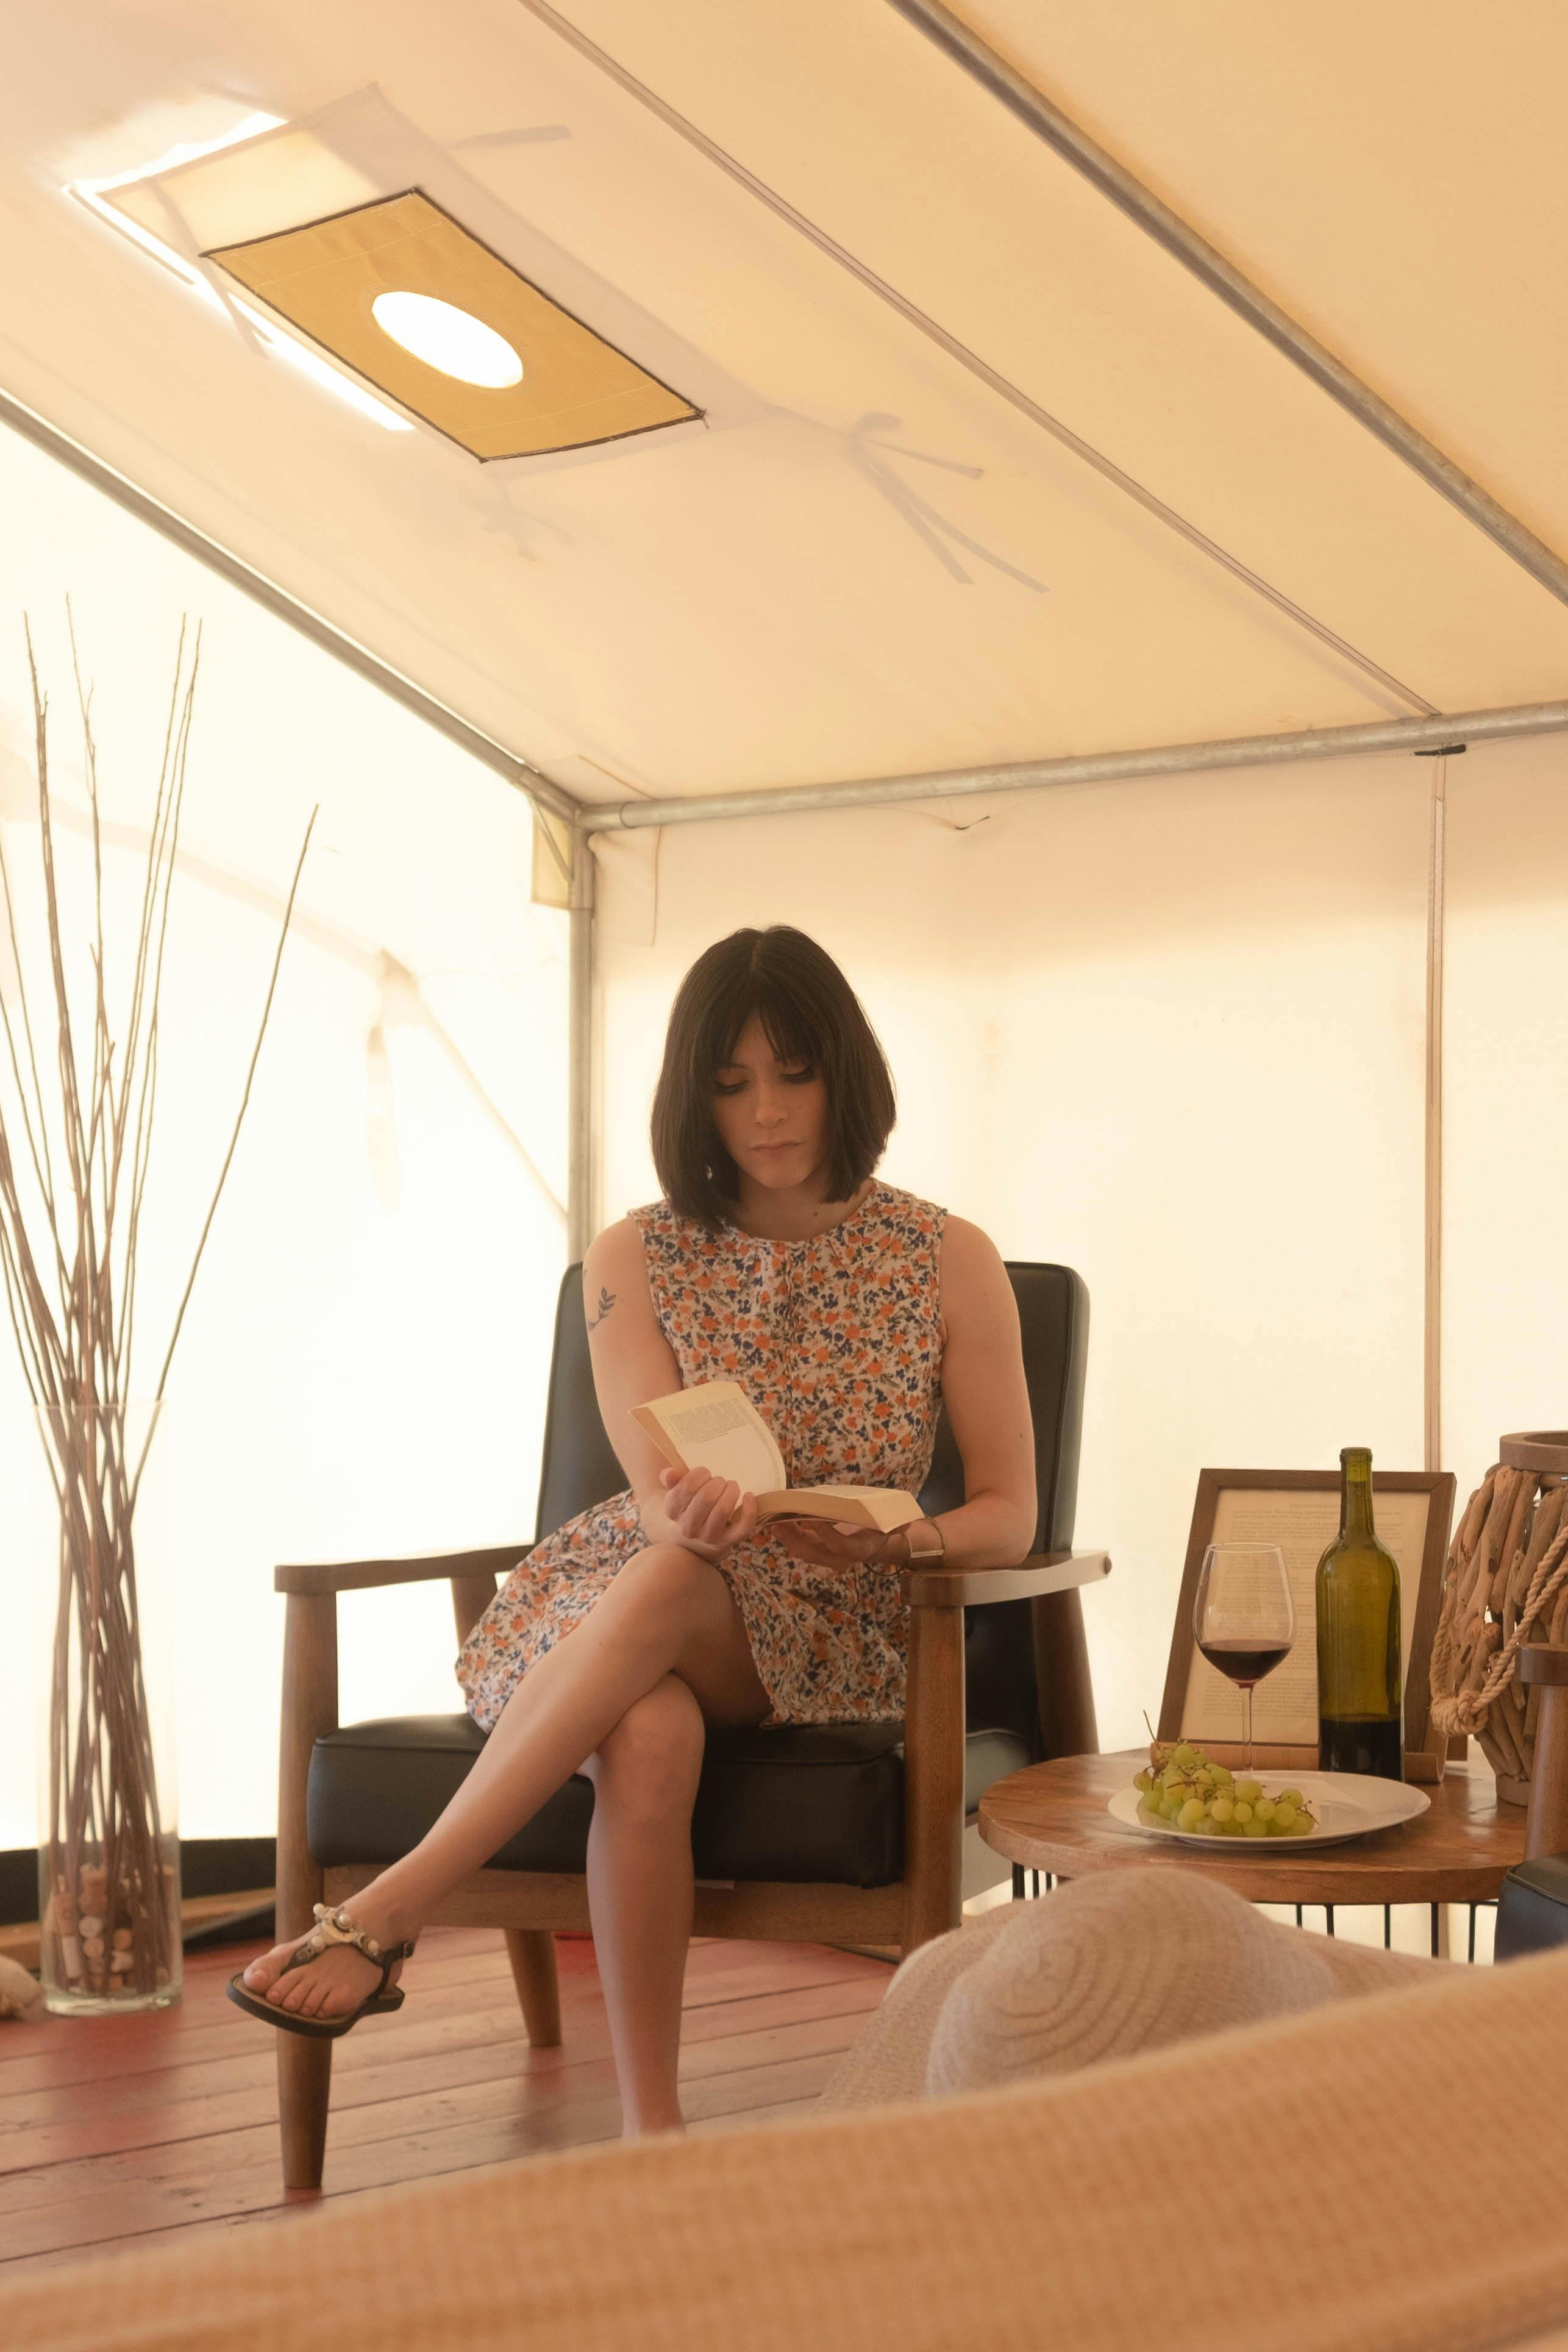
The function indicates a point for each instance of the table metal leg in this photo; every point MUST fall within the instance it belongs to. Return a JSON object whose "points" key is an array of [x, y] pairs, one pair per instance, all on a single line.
{"points": [[1440, 1926], [1017, 1882]]}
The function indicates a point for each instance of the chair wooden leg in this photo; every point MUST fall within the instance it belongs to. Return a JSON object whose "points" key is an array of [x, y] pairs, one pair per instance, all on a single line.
{"points": [[310, 1708], [532, 1951], [933, 1776], [304, 2089]]}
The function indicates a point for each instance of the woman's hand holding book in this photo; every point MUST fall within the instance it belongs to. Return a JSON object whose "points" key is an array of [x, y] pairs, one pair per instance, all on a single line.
{"points": [[707, 1514], [834, 1543]]}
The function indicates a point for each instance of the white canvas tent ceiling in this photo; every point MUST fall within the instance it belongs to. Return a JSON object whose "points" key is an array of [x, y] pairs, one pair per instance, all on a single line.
{"points": [[867, 562]]}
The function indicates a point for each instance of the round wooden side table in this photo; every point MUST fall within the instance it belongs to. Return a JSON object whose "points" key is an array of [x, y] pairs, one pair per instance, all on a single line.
{"points": [[1052, 1816]]}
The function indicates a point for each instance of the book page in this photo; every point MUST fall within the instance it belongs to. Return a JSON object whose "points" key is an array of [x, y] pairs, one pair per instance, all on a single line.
{"points": [[1303, 1524], [715, 1427]]}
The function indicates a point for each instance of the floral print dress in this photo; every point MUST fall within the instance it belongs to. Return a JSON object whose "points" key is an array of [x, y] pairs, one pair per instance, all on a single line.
{"points": [[837, 1342]]}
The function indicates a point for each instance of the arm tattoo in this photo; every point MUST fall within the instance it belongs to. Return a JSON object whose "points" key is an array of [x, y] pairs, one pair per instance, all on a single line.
{"points": [[606, 1300]]}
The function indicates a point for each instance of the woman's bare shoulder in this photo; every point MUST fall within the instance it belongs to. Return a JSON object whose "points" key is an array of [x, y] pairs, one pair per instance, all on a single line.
{"points": [[616, 1260], [975, 1280], [966, 1249], [619, 1247]]}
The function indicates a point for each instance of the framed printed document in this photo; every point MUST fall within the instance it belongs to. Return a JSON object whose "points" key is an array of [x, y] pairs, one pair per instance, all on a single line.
{"points": [[1299, 1511]]}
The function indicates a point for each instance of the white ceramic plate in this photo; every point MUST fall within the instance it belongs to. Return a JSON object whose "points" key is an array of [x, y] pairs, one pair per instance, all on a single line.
{"points": [[1347, 1804]]}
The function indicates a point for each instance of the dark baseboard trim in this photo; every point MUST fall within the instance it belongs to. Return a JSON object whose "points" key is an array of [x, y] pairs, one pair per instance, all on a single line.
{"points": [[207, 1866]]}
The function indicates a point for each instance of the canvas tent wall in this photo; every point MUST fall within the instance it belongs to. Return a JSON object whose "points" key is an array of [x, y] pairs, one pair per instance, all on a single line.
{"points": [[353, 1371], [984, 474]]}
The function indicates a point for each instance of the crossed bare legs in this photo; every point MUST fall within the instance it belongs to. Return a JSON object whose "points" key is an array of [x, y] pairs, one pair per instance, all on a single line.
{"points": [[626, 1698]]}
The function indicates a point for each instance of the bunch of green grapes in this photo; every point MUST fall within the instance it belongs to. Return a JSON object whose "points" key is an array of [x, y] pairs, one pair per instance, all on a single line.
{"points": [[1181, 1790]]}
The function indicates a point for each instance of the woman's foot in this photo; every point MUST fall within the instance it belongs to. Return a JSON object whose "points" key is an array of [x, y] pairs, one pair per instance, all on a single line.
{"points": [[342, 1977]]}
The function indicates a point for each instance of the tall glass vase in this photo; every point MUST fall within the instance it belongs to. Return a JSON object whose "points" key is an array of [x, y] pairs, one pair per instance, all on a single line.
{"points": [[109, 1852]]}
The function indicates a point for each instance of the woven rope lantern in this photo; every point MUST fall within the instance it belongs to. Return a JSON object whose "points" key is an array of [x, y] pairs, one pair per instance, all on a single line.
{"points": [[1505, 1583]]}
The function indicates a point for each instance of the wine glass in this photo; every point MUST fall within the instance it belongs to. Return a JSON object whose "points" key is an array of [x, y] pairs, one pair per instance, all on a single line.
{"points": [[1243, 1620]]}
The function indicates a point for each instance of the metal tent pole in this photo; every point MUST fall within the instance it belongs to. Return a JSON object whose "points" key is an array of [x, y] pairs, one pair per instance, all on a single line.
{"points": [[1060, 133], [1437, 893], [1096, 767]]}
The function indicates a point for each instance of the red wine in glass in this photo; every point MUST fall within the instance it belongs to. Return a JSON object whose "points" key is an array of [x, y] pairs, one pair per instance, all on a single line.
{"points": [[1245, 1661], [1243, 1619]]}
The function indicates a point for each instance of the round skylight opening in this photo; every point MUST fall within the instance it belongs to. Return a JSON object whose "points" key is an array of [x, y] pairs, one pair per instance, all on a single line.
{"points": [[446, 337]]}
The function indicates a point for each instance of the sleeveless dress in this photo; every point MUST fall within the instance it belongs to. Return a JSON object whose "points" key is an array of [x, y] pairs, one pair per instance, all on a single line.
{"points": [[837, 1342]]}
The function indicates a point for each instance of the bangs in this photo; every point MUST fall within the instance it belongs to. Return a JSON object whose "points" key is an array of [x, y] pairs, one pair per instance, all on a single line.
{"points": [[787, 1025]]}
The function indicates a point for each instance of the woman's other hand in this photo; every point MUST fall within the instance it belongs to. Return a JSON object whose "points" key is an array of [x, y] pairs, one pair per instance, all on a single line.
{"points": [[707, 1513], [834, 1543]]}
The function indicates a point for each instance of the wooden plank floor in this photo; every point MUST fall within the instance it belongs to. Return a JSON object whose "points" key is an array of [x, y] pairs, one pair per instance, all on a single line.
{"points": [[145, 2129]]}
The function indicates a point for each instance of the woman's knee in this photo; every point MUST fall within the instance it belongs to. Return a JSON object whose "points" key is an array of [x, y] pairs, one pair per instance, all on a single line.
{"points": [[670, 1582], [651, 1758]]}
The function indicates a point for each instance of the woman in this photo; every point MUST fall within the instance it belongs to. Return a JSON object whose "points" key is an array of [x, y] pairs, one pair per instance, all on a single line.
{"points": [[849, 1312]]}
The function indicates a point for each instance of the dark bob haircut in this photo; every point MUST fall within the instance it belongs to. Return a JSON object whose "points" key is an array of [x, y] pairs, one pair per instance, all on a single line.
{"points": [[809, 1012]]}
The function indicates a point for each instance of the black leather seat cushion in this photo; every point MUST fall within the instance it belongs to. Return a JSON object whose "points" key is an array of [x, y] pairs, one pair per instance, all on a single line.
{"points": [[1532, 1910], [805, 1803]]}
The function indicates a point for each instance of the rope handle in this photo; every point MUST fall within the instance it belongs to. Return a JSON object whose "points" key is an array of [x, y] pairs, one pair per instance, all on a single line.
{"points": [[1463, 1712]]}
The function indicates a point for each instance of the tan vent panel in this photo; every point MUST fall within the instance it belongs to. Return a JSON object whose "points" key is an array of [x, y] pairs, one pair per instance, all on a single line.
{"points": [[575, 388]]}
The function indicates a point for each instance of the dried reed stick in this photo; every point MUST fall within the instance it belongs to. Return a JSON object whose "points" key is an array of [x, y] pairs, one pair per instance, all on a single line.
{"points": [[67, 1267]]}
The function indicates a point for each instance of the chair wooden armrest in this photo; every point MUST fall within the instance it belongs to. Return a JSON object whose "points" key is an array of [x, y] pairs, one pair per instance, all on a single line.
{"points": [[358, 1575], [311, 1678], [1042, 1572]]}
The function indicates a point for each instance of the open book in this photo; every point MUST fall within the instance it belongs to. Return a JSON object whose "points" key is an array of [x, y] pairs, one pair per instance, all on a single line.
{"points": [[715, 1427]]}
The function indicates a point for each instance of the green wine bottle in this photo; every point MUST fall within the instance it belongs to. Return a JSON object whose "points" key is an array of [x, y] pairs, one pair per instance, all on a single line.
{"points": [[1359, 1717]]}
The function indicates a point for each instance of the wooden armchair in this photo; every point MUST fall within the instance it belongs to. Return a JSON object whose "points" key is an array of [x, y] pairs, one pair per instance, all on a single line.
{"points": [[812, 1833]]}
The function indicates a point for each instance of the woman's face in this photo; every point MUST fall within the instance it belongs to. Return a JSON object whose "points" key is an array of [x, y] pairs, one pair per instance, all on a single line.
{"points": [[771, 1116]]}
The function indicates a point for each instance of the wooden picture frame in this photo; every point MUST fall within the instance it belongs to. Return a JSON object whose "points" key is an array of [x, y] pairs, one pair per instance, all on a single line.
{"points": [[1298, 1509]]}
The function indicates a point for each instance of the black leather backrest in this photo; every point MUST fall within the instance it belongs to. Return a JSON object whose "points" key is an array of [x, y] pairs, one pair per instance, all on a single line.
{"points": [[1053, 1319], [998, 1639], [580, 1468]]}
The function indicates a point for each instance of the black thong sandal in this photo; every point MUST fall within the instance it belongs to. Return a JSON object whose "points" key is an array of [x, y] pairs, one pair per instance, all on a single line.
{"points": [[332, 1926]]}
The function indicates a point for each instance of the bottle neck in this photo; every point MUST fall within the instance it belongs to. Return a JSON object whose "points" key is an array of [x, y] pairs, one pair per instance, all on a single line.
{"points": [[1355, 1492]]}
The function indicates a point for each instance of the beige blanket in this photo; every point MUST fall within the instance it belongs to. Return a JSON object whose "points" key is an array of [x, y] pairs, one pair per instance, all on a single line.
{"points": [[1383, 2172]]}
